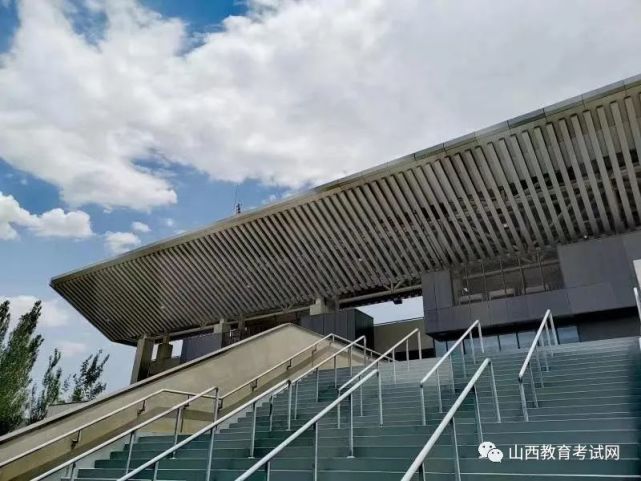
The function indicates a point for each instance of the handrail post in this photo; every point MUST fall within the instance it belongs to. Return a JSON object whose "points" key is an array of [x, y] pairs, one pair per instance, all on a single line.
{"points": [[556, 334], [394, 364], [407, 353], [536, 400], [351, 427], [438, 390], [178, 418], [210, 454], [380, 399], [154, 477], [335, 374], [452, 372], [457, 464], [478, 327], [289, 405], [421, 390], [268, 471], [316, 451], [526, 418], [477, 415], [317, 382], [271, 412], [130, 451], [296, 400], [473, 349], [253, 433], [420, 347], [541, 346], [538, 363], [365, 357], [463, 359], [216, 403], [495, 394]]}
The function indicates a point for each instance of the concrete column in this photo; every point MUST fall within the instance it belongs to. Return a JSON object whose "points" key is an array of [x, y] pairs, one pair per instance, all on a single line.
{"points": [[222, 326], [142, 359], [164, 350], [322, 306]]}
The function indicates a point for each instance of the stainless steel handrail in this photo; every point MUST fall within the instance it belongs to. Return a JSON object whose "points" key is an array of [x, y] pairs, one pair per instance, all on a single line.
{"points": [[447, 355], [296, 381], [78, 430], [547, 323], [266, 460], [417, 465], [253, 383], [637, 299], [375, 363], [211, 428], [71, 463]]}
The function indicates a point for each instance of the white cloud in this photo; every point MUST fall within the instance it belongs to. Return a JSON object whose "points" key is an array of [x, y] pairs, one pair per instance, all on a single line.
{"points": [[140, 227], [72, 348], [54, 312], [297, 92], [53, 223], [119, 242]]}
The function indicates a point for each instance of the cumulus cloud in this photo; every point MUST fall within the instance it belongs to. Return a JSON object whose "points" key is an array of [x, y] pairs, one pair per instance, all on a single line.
{"points": [[72, 348], [294, 93], [140, 227], [119, 242], [54, 312], [53, 223]]}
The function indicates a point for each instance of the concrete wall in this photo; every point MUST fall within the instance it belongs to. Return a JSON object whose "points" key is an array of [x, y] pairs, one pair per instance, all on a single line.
{"points": [[388, 334], [598, 275], [227, 368]]}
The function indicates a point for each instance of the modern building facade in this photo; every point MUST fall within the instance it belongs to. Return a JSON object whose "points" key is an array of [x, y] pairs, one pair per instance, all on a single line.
{"points": [[540, 211]]}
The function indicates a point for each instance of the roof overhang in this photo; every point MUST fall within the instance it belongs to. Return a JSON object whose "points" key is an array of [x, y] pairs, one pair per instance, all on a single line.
{"points": [[536, 181]]}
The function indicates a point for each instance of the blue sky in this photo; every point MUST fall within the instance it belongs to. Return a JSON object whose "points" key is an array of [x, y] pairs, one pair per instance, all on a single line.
{"points": [[162, 113]]}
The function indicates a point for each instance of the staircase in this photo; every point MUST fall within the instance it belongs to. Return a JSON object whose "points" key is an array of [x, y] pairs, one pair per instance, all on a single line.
{"points": [[591, 396]]}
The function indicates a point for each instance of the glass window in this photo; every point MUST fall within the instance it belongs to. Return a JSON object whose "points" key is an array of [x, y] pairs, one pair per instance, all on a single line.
{"points": [[508, 341], [567, 334], [440, 347], [525, 339]]}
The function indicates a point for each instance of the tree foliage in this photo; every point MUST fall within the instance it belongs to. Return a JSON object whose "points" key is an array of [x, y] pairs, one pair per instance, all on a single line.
{"points": [[17, 357], [86, 383], [52, 389], [18, 353]]}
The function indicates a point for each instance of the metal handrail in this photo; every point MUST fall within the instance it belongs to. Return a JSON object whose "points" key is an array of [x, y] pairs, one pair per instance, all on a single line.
{"points": [[386, 355], [211, 428], [547, 323], [295, 382], [448, 419], [253, 383], [71, 463], [78, 430], [266, 460], [447, 355], [375, 363]]}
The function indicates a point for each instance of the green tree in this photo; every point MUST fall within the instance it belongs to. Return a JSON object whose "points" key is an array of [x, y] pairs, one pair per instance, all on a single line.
{"points": [[17, 357], [86, 383], [50, 393]]}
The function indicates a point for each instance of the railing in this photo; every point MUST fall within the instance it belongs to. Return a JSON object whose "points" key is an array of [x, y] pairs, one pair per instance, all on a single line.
{"points": [[537, 344], [179, 408], [253, 383], [375, 363], [266, 460], [638, 301], [447, 355], [71, 464], [448, 419], [77, 431], [211, 429]]}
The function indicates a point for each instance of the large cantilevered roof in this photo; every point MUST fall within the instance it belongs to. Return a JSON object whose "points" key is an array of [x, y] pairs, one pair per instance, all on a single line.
{"points": [[566, 172]]}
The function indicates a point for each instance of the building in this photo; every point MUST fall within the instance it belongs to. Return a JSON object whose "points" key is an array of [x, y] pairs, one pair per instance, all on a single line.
{"points": [[540, 211]]}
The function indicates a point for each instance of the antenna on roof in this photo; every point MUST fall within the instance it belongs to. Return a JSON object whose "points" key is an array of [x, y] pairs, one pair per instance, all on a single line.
{"points": [[237, 205]]}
